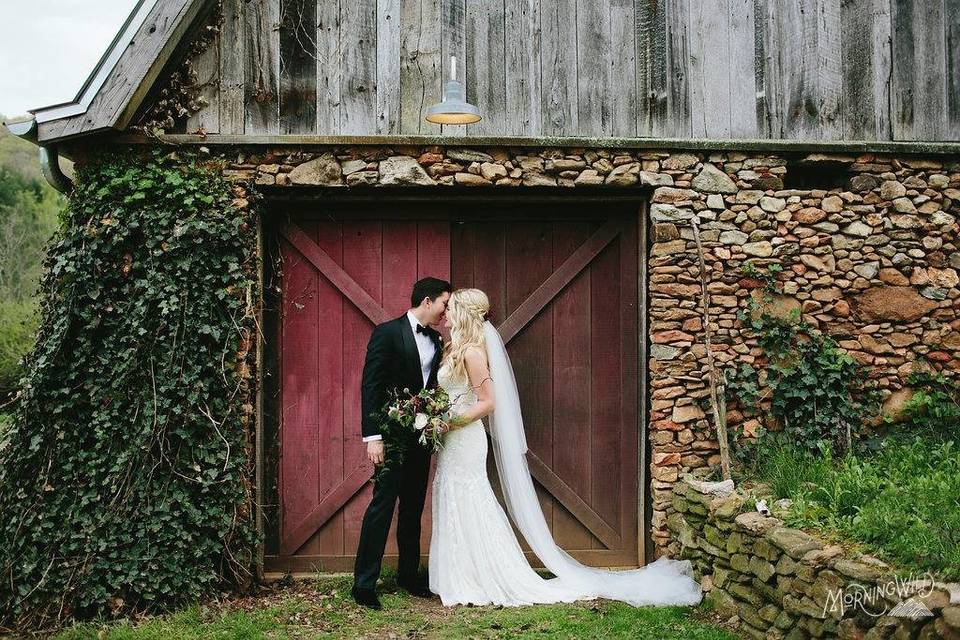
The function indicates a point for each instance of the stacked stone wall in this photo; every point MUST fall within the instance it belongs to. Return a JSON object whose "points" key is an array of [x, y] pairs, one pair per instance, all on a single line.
{"points": [[772, 581], [870, 256]]}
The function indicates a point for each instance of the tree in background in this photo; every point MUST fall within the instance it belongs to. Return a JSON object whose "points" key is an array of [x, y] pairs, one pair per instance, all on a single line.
{"points": [[28, 216]]}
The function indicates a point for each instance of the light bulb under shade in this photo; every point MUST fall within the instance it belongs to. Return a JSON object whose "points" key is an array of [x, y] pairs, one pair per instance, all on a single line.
{"points": [[453, 109]]}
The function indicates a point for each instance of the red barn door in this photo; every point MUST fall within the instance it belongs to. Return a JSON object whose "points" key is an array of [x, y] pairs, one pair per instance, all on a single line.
{"points": [[563, 288], [340, 278]]}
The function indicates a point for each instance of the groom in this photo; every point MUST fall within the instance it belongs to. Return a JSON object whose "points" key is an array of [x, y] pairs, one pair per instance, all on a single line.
{"points": [[402, 354]]}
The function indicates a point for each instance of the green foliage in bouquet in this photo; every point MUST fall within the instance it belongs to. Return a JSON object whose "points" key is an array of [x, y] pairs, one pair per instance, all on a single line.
{"points": [[407, 418], [124, 470]]}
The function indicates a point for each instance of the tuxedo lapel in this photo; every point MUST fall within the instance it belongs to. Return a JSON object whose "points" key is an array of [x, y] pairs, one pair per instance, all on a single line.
{"points": [[411, 355]]}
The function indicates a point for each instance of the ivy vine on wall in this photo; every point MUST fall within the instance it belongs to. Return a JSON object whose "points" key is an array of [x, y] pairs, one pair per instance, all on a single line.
{"points": [[815, 393], [125, 476]]}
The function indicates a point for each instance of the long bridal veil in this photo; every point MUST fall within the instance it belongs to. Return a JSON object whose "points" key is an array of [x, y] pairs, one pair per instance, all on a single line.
{"points": [[662, 582]]}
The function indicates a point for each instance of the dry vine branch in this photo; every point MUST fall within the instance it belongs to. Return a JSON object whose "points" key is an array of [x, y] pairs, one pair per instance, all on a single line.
{"points": [[719, 415]]}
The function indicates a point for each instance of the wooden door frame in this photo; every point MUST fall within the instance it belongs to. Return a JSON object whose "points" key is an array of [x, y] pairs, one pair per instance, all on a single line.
{"points": [[278, 201]]}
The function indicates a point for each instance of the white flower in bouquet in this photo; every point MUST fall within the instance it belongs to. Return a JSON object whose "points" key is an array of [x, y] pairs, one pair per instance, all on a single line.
{"points": [[421, 421], [394, 412]]}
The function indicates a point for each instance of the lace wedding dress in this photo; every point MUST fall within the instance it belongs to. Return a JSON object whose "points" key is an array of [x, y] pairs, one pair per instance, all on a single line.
{"points": [[475, 558]]}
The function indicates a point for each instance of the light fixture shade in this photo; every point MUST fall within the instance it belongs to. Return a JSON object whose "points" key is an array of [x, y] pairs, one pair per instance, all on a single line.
{"points": [[453, 109]]}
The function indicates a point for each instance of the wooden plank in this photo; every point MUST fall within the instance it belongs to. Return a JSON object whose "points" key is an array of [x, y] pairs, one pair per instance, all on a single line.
{"points": [[828, 70], [329, 67], [261, 67], [919, 60], [232, 56], [388, 66], [559, 68], [523, 94], [790, 102], [207, 67], [558, 279], [952, 43], [865, 25], [419, 64], [433, 250], [595, 66], [335, 274], [399, 264], [606, 419], [741, 98], [678, 120], [760, 67], [489, 266], [461, 255], [622, 79], [527, 260], [358, 38], [643, 25], [299, 408], [333, 435], [708, 74], [572, 384], [486, 64], [363, 250], [454, 21], [659, 66], [298, 66], [632, 315]]}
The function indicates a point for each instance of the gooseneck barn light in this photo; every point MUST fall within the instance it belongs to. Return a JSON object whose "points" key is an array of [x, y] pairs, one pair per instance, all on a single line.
{"points": [[454, 108]]}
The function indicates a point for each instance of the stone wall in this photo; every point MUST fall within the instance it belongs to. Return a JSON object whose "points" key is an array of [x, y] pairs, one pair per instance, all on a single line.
{"points": [[870, 258], [776, 582]]}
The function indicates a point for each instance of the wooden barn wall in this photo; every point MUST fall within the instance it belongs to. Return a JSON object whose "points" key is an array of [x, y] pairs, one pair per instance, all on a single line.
{"points": [[780, 69]]}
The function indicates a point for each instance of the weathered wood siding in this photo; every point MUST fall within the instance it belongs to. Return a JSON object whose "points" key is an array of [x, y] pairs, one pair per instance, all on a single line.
{"points": [[790, 69]]}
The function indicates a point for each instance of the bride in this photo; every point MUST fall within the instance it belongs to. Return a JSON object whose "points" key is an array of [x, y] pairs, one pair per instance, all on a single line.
{"points": [[475, 558]]}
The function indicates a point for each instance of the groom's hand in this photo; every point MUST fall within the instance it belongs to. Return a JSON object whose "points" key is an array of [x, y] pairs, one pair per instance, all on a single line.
{"points": [[375, 451]]}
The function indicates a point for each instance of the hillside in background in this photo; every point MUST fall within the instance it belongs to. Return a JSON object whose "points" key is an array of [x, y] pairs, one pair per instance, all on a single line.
{"points": [[28, 217]]}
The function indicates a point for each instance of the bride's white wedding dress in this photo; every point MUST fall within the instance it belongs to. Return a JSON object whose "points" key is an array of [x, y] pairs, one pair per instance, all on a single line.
{"points": [[475, 558]]}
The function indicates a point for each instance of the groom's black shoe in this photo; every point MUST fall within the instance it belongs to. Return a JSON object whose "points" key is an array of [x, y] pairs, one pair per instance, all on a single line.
{"points": [[417, 588], [366, 597]]}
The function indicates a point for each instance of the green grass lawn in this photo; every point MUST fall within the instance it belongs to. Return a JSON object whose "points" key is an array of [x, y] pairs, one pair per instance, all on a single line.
{"points": [[322, 608]]}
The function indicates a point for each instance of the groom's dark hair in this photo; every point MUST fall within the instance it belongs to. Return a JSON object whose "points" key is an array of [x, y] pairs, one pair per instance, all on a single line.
{"points": [[431, 288]]}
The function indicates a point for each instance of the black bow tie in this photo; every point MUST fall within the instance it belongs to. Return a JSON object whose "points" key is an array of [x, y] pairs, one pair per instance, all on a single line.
{"points": [[428, 331]]}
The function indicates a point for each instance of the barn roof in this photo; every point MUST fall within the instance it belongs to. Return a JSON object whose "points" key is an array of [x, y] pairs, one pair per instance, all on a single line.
{"points": [[121, 80], [324, 97]]}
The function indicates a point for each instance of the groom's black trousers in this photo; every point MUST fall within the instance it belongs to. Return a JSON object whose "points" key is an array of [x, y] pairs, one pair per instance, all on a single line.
{"points": [[408, 483]]}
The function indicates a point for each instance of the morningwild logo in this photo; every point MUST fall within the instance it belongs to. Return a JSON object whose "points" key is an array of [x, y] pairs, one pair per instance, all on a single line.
{"points": [[874, 600]]}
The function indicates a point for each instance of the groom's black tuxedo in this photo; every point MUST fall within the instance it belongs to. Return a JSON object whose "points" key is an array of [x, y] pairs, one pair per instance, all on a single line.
{"points": [[393, 362]]}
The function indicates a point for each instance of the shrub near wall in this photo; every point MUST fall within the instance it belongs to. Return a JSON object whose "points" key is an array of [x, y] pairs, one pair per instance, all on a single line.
{"points": [[124, 479]]}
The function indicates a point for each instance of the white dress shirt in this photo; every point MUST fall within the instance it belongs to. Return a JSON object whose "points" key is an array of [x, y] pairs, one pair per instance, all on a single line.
{"points": [[427, 350]]}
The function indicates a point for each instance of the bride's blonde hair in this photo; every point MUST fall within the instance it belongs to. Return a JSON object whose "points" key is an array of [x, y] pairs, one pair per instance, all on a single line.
{"points": [[467, 308]]}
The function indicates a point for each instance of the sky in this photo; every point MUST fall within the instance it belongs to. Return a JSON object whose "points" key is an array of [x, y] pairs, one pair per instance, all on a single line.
{"points": [[49, 47]]}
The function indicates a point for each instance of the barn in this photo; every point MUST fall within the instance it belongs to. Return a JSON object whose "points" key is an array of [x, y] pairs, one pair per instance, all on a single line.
{"points": [[818, 135]]}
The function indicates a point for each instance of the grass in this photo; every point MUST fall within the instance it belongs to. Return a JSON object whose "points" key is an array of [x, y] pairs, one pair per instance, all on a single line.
{"points": [[901, 503], [322, 608]]}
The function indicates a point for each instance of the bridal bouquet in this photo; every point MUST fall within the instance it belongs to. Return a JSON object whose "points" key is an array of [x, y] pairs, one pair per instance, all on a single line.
{"points": [[421, 414]]}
